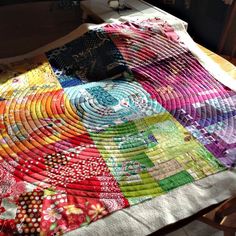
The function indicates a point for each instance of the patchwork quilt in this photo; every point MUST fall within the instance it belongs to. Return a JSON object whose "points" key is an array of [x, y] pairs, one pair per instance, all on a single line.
{"points": [[121, 115]]}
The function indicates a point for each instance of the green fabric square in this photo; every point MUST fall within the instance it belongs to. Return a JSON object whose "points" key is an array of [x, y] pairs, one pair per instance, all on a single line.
{"points": [[146, 187], [143, 159], [176, 180]]}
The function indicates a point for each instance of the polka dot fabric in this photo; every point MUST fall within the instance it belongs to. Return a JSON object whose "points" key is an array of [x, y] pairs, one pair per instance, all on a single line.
{"points": [[28, 215]]}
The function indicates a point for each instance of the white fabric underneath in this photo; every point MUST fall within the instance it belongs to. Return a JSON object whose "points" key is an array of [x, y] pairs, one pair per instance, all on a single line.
{"points": [[151, 215]]}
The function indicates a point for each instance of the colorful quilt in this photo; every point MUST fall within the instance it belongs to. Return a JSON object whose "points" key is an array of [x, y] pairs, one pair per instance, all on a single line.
{"points": [[121, 115]]}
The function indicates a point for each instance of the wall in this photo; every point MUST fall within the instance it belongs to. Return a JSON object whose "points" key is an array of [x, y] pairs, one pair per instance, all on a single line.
{"points": [[25, 27], [206, 18]]}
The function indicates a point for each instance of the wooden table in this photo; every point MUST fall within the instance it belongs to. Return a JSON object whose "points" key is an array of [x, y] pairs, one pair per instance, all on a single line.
{"points": [[222, 62]]}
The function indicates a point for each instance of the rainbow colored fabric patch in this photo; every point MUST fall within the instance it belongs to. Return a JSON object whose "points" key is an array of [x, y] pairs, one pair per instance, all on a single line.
{"points": [[116, 117]]}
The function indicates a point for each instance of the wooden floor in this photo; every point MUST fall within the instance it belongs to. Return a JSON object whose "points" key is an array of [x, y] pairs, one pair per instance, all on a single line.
{"points": [[25, 27]]}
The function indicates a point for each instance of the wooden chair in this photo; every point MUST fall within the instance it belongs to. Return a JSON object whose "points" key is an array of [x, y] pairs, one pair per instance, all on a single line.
{"points": [[223, 217]]}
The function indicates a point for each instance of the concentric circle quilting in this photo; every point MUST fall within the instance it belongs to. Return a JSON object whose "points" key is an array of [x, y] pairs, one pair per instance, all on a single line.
{"points": [[153, 120]]}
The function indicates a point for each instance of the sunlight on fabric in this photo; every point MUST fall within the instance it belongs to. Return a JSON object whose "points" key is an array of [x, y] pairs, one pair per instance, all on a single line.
{"points": [[132, 8]]}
